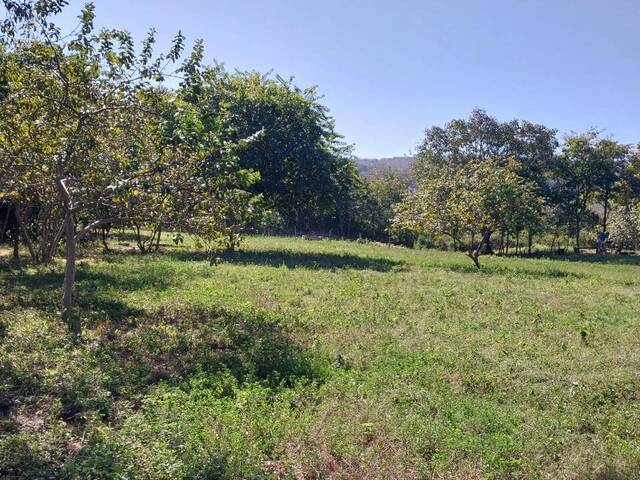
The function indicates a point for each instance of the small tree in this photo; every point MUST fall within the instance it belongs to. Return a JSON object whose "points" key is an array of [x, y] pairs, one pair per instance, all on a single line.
{"points": [[475, 199]]}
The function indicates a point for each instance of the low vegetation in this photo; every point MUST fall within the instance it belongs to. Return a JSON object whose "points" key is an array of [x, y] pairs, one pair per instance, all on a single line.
{"points": [[321, 359]]}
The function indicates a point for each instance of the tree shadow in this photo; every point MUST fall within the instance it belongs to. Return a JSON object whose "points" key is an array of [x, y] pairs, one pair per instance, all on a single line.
{"points": [[41, 290], [509, 270], [174, 345], [293, 259], [23, 459], [601, 259], [182, 348]]}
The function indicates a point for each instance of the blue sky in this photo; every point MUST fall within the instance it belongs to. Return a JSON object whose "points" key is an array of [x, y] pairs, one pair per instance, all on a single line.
{"points": [[389, 69]]}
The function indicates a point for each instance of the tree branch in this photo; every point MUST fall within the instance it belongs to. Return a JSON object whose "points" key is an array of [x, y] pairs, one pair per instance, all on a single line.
{"points": [[103, 221]]}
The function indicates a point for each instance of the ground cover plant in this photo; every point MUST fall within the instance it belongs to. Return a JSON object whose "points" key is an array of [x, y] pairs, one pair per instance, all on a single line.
{"points": [[321, 359]]}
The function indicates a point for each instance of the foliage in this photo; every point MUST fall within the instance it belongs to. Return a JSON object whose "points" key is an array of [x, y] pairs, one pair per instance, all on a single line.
{"points": [[306, 172], [588, 168], [625, 225], [482, 137], [381, 191]]}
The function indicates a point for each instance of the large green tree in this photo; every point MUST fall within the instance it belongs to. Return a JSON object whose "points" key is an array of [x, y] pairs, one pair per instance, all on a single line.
{"points": [[587, 171], [304, 166]]}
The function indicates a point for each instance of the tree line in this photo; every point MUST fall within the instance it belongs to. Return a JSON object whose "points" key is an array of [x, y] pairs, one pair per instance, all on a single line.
{"points": [[479, 181]]}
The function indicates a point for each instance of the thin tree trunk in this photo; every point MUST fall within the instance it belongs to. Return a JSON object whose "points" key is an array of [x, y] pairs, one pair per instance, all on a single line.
{"points": [[606, 211], [487, 243], [72, 320], [54, 244], [474, 253], [16, 245], [474, 258], [70, 275], [139, 238], [105, 245], [25, 234], [158, 239]]}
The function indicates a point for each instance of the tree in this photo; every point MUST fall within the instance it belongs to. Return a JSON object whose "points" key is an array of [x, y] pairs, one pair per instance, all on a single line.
{"points": [[385, 188], [610, 160], [577, 177], [82, 96], [475, 199], [304, 166], [481, 138], [629, 191]]}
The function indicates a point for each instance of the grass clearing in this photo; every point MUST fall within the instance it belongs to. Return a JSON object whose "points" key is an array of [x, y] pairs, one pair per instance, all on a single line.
{"points": [[323, 359]]}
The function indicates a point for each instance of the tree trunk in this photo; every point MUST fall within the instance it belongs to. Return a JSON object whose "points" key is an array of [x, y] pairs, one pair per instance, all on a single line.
{"points": [[5, 223], [158, 239], [606, 211], [54, 244], [487, 243], [105, 245], [16, 245], [25, 234], [70, 275], [577, 234], [474, 254], [139, 238], [73, 321]]}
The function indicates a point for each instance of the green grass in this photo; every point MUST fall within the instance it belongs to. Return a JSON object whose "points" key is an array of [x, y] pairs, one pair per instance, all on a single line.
{"points": [[323, 359]]}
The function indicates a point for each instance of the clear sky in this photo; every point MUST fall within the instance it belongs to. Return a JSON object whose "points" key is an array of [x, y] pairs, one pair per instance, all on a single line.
{"points": [[389, 69]]}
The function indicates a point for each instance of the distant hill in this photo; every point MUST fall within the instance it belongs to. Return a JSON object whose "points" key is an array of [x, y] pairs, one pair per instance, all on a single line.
{"points": [[368, 165]]}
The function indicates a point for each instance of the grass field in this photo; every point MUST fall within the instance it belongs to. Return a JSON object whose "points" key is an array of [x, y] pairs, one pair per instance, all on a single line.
{"points": [[323, 359]]}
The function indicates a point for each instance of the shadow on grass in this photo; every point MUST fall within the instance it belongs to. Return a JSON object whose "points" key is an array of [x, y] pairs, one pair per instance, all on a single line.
{"points": [[293, 259], [42, 290], [124, 361], [507, 270], [600, 259], [171, 345], [211, 353]]}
